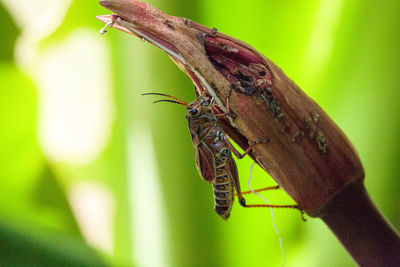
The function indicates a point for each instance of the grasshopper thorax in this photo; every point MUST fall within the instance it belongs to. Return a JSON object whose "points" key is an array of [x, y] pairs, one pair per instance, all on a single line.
{"points": [[199, 107]]}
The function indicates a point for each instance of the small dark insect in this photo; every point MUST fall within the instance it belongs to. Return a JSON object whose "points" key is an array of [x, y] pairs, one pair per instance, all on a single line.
{"points": [[170, 24], [213, 154]]}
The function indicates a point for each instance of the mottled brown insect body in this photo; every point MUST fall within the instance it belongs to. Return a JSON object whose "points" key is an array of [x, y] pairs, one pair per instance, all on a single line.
{"points": [[213, 157]]}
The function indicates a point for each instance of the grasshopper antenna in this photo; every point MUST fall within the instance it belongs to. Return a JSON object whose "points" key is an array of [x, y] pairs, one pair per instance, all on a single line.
{"points": [[175, 100]]}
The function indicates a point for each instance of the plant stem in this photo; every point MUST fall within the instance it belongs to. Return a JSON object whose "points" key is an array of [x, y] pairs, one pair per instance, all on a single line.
{"points": [[356, 222]]}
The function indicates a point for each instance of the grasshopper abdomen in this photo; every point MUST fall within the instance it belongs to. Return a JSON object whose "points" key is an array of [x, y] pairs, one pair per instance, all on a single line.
{"points": [[224, 192]]}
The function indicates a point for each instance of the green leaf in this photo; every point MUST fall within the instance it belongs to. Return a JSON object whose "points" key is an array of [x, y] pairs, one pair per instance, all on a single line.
{"points": [[9, 33]]}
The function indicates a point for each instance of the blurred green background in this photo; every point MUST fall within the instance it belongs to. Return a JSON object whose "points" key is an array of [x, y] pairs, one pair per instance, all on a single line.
{"points": [[93, 174]]}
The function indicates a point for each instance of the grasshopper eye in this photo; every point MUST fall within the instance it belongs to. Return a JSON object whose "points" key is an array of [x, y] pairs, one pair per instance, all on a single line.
{"points": [[193, 112], [205, 103]]}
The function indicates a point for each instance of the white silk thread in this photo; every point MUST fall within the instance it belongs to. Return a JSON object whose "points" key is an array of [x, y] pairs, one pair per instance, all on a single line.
{"points": [[272, 214]]}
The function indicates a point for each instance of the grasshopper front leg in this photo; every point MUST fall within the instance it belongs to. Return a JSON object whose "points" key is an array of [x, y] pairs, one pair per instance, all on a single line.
{"points": [[248, 149]]}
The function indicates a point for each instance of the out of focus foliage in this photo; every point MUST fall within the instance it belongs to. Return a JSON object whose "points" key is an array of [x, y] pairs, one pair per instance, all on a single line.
{"points": [[93, 174]]}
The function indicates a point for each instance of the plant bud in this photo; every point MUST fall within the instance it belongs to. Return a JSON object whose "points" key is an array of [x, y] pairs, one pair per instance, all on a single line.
{"points": [[308, 156]]}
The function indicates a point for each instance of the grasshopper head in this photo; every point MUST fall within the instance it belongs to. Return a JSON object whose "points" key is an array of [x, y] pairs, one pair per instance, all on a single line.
{"points": [[200, 106]]}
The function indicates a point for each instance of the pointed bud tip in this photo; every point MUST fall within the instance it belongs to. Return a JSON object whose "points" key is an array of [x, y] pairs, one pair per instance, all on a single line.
{"points": [[104, 18], [110, 4], [103, 3]]}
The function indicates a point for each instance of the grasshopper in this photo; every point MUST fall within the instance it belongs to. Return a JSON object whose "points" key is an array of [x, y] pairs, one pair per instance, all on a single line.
{"points": [[213, 154]]}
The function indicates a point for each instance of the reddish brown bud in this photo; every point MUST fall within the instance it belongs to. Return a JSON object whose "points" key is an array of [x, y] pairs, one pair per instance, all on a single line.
{"points": [[309, 156]]}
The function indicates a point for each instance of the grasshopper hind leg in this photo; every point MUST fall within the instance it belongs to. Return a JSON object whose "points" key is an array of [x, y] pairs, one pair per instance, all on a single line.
{"points": [[242, 202]]}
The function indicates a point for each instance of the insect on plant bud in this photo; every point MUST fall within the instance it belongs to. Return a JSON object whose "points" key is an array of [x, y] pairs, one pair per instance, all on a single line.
{"points": [[213, 155], [308, 155]]}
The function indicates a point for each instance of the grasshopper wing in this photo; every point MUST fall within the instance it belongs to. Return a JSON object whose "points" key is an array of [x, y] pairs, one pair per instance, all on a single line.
{"points": [[231, 167], [205, 162]]}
